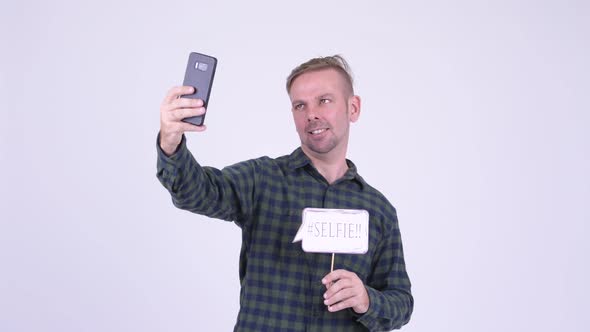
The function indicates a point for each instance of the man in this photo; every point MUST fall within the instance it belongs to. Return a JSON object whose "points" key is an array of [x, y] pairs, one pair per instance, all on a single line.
{"points": [[282, 287]]}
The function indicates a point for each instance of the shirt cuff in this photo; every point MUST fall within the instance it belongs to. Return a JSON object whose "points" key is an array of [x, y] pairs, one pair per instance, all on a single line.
{"points": [[178, 148], [170, 163], [370, 317]]}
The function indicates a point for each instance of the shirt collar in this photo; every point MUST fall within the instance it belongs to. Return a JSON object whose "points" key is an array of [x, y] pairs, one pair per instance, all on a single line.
{"points": [[298, 159]]}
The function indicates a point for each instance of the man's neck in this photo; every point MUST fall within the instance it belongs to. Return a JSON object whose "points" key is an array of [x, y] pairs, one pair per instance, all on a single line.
{"points": [[331, 166]]}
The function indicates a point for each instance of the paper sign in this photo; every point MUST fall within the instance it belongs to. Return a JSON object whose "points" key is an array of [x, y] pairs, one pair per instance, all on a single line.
{"points": [[334, 231]]}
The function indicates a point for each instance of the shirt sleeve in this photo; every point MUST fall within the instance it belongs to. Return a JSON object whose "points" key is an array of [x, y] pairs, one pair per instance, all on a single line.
{"points": [[223, 194], [390, 298]]}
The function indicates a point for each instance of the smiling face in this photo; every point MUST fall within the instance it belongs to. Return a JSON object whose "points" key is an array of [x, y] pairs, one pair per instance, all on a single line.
{"points": [[323, 107]]}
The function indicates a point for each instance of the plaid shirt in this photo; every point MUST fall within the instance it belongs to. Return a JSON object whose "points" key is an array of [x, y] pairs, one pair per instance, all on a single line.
{"points": [[281, 287]]}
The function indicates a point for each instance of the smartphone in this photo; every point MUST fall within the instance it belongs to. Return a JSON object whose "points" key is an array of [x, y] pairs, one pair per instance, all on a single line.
{"points": [[199, 74]]}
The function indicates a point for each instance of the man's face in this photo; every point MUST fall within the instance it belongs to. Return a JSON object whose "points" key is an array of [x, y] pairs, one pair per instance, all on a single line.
{"points": [[323, 107]]}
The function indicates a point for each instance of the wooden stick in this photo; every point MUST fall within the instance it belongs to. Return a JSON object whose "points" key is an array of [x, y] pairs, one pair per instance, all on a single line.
{"points": [[332, 267], [331, 270]]}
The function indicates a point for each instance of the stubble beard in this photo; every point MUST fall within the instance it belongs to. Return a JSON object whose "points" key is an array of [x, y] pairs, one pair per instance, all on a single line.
{"points": [[321, 147]]}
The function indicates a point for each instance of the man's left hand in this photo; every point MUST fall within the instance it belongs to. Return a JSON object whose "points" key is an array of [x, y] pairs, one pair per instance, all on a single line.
{"points": [[345, 290]]}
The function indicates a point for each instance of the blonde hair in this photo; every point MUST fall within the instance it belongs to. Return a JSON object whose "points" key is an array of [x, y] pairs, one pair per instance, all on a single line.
{"points": [[336, 62]]}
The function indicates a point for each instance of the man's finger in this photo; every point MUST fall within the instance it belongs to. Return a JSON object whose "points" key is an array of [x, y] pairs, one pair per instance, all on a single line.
{"points": [[180, 103], [335, 276], [178, 91], [338, 286], [183, 113], [348, 303], [340, 296], [192, 127]]}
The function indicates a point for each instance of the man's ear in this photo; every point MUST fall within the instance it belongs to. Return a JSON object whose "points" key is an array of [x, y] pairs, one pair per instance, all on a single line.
{"points": [[354, 108]]}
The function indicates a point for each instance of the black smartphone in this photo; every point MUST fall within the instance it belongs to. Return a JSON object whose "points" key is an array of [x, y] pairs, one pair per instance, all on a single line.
{"points": [[199, 74]]}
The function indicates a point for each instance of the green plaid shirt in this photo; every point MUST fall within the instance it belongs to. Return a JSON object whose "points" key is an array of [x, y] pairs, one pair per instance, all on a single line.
{"points": [[281, 287]]}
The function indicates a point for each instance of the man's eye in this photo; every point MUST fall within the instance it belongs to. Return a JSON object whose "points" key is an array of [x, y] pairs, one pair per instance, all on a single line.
{"points": [[298, 107], [324, 101]]}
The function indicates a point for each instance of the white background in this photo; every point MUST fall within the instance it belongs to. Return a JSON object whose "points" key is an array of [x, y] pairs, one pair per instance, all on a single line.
{"points": [[475, 121]]}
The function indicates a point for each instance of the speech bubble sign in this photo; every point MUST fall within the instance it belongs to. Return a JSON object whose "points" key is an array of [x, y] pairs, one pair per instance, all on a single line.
{"points": [[337, 231]]}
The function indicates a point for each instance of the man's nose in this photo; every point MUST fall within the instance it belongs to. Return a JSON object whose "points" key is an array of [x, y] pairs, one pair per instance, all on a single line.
{"points": [[312, 113]]}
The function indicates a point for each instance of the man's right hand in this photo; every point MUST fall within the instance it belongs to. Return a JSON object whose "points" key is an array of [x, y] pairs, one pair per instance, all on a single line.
{"points": [[172, 111]]}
